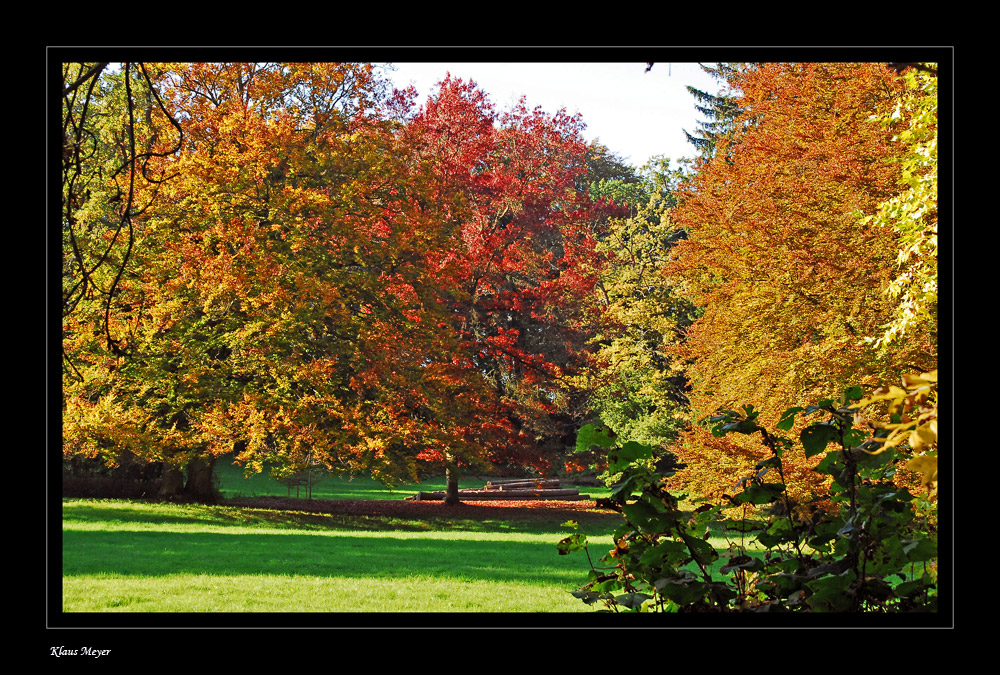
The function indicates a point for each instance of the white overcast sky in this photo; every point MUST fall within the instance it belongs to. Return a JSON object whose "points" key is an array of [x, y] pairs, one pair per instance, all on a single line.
{"points": [[636, 114]]}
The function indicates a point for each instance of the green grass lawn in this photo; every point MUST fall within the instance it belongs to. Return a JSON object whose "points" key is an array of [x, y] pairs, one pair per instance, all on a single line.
{"points": [[121, 556]]}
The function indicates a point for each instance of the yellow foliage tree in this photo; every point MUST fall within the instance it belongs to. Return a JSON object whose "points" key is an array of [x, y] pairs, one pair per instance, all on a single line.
{"points": [[790, 281]]}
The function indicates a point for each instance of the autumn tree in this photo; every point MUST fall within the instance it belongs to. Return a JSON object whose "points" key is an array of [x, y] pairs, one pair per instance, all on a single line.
{"points": [[638, 388], [913, 211], [523, 264], [331, 277], [116, 133], [263, 274], [113, 126], [789, 279]]}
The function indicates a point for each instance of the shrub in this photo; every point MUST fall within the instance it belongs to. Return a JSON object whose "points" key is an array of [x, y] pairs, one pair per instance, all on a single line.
{"points": [[870, 545]]}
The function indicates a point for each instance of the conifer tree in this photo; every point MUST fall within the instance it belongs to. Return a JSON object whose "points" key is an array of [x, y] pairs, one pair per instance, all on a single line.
{"points": [[719, 109]]}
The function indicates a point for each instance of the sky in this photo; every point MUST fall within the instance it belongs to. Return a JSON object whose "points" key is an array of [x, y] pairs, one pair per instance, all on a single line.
{"points": [[636, 114]]}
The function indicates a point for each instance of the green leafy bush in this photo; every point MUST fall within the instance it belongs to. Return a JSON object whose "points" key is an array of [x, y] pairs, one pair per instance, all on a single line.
{"points": [[868, 546]]}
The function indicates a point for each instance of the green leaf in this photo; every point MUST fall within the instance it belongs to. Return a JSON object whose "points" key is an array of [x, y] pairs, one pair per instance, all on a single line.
{"points": [[590, 597], [703, 552], [787, 420], [760, 494], [920, 550], [853, 394], [854, 437], [816, 437], [574, 542], [667, 553], [627, 454], [681, 592], [779, 532], [830, 594], [632, 600], [622, 491], [743, 562], [647, 518], [741, 427], [590, 435], [828, 464]]}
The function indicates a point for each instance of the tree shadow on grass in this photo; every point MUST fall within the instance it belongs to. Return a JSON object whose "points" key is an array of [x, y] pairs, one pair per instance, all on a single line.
{"points": [[239, 517], [458, 520], [138, 553]]}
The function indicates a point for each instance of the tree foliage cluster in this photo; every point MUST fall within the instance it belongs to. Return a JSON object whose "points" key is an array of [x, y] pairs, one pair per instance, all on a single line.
{"points": [[792, 251], [298, 264], [797, 263]]}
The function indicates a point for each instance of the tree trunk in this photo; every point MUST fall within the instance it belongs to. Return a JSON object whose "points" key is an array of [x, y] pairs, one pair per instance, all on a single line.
{"points": [[171, 482], [451, 478], [199, 483]]}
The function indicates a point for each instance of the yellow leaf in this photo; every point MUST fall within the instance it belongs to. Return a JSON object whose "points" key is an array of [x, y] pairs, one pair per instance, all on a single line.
{"points": [[913, 380], [926, 465], [924, 435], [882, 393]]}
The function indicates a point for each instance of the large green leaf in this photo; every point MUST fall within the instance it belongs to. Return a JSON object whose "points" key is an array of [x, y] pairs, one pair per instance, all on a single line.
{"points": [[743, 562], [624, 456], [760, 494], [590, 435], [816, 437], [830, 594], [668, 553], [920, 550], [703, 552], [632, 600], [648, 518], [574, 542], [682, 592], [788, 418]]}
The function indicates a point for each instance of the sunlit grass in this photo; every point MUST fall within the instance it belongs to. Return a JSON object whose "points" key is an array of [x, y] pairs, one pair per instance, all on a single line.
{"points": [[297, 593], [125, 557]]}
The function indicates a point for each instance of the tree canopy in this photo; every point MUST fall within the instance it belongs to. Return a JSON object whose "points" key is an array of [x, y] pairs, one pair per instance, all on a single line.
{"points": [[296, 263], [328, 274], [791, 276]]}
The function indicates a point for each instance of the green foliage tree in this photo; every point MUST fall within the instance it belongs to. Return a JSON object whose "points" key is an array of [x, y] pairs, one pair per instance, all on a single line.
{"points": [[637, 388]]}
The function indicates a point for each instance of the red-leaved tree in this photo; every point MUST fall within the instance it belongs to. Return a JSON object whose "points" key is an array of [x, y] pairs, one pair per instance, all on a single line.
{"points": [[517, 275]]}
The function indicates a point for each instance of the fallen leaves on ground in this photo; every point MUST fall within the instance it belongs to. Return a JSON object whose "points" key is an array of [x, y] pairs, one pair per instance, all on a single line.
{"points": [[479, 510]]}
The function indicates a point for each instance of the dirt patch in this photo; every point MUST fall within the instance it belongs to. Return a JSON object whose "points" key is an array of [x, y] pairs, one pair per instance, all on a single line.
{"points": [[399, 508]]}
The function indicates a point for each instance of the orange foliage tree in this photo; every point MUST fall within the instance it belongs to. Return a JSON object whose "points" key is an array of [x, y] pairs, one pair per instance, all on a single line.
{"points": [[790, 279], [331, 277], [263, 279]]}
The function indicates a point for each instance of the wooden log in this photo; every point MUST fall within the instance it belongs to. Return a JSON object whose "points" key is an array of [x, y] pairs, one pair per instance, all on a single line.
{"points": [[551, 492], [515, 484], [484, 495]]}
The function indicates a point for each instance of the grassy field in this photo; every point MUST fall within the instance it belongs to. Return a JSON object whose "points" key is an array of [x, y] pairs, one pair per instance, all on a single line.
{"points": [[122, 556]]}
